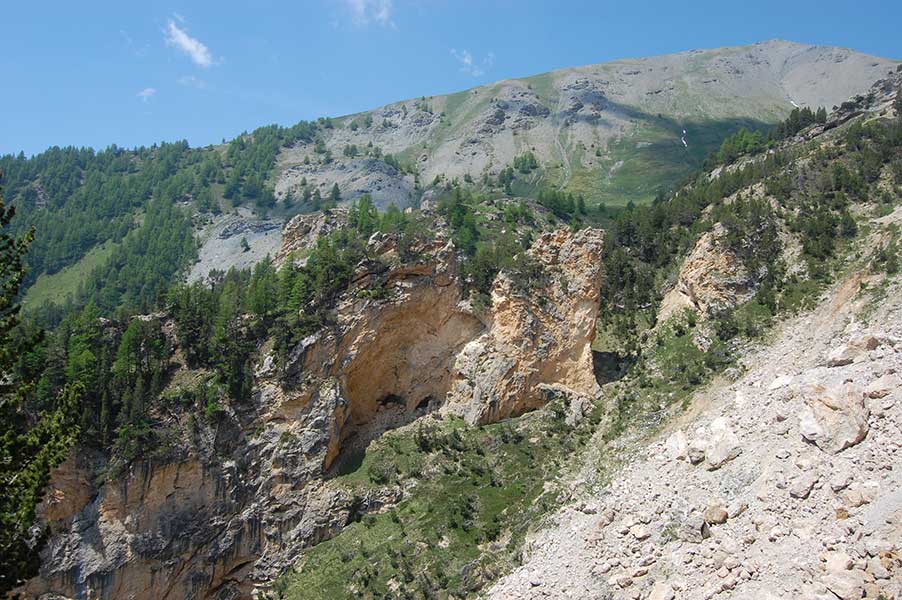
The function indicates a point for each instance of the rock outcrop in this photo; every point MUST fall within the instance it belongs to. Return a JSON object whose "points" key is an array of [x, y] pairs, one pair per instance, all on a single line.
{"points": [[540, 337], [301, 233], [240, 495], [712, 279]]}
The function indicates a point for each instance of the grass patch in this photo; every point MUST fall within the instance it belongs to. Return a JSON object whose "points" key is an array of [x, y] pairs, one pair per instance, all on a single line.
{"points": [[543, 86], [475, 493], [58, 287], [635, 168]]}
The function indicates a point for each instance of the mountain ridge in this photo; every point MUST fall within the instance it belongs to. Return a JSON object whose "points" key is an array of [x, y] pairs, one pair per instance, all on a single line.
{"points": [[587, 125], [394, 405]]}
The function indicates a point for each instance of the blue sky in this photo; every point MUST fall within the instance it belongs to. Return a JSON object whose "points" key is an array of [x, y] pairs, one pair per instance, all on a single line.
{"points": [[133, 73]]}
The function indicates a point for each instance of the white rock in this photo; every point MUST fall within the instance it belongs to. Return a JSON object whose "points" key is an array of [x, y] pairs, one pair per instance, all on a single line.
{"points": [[848, 585], [723, 445], [678, 446], [876, 568], [736, 508], [838, 562], [878, 546], [661, 591], [843, 355], [857, 496], [834, 418], [840, 481], [883, 385], [781, 381], [802, 485], [640, 532]]}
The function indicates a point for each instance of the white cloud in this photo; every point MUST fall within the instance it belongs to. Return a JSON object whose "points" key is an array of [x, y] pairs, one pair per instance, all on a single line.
{"points": [[146, 93], [471, 66], [364, 12], [192, 81], [177, 37]]}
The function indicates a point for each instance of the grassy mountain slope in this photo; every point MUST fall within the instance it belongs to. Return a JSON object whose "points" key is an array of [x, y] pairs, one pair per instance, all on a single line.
{"points": [[610, 131], [447, 537]]}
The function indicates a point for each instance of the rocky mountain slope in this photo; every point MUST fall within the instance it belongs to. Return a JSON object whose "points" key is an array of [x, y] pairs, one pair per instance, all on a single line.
{"points": [[615, 131], [776, 480], [778, 484], [189, 524], [427, 417]]}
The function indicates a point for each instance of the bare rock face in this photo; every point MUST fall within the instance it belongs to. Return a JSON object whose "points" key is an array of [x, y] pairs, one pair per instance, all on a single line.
{"points": [[302, 231], [540, 337], [239, 498], [712, 279], [69, 492], [834, 418]]}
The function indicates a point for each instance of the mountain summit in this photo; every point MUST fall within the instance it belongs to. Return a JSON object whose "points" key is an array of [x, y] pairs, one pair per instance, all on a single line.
{"points": [[615, 131]]}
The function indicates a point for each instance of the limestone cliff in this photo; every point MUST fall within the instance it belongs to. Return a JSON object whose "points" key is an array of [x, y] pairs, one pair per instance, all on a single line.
{"points": [[536, 338], [243, 493], [302, 231], [711, 279]]}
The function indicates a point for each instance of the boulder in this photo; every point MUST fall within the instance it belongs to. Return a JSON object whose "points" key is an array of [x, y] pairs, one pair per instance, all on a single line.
{"points": [[696, 450], [834, 418], [640, 532], [847, 585], [865, 342], [837, 562], [678, 446], [843, 355], [715, 515], [857, 496], [694, 529], [661, 591], [781, 381], [883, 386], [723, 445], [802, 485]]}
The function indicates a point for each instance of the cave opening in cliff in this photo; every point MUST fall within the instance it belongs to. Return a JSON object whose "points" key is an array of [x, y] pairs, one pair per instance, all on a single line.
{"points": [[610, 366], [401, 368], [390, 412]]}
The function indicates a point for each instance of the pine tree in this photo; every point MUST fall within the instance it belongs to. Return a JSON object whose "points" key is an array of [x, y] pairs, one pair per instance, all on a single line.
{"points": [[27, 451], [316, 200]]}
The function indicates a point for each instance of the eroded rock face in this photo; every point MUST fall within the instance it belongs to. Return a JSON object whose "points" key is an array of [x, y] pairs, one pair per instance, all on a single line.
{"points": [[243, 495], [544, 336], [302, 231], [712, 279]]}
